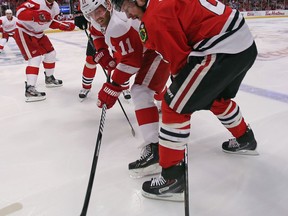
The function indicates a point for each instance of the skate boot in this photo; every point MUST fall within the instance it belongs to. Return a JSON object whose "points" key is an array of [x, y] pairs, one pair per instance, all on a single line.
{"points": [[52, 82], [170, 185], [246, 144], [83, 93], [127, 94], [32, 94], [148, 163]]}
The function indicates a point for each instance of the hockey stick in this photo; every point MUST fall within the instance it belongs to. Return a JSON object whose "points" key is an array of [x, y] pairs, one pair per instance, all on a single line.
{"points": [[186, 192], [94, 163], [92, 45]]}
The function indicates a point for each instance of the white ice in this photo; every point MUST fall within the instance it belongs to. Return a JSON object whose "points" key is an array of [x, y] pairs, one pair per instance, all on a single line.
{"points": [[46, 148]]}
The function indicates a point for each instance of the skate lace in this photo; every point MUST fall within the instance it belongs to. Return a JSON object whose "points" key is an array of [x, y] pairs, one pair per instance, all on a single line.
{"points": [[233, 143], [158, 181], [32, 89], [84, 91], [146, 152]]}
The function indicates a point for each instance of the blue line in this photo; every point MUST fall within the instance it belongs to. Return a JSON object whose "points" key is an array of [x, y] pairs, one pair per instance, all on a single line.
{"points": [[264, 93]]}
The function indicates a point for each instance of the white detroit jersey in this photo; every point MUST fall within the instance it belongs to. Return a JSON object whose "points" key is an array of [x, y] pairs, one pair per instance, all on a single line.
{"points": [[8, 25]]}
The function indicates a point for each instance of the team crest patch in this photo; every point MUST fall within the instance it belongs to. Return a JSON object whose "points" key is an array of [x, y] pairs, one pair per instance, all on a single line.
{"points": [[143, 33]]}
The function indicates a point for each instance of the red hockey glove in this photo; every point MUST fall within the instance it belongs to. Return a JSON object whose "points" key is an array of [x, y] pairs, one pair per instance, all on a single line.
{"points": [[108, 95], [1, 29], [104, 58], [67, 26], [41, 16]]}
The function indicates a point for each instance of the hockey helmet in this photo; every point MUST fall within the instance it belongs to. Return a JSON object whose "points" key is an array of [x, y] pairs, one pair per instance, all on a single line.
{"points": [[8, 11], [118, 4], [87, 6]]}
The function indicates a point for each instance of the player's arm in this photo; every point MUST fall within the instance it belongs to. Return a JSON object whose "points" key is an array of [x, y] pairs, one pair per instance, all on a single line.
{"points": [[98, 39], [63, 26], [29, 11]]}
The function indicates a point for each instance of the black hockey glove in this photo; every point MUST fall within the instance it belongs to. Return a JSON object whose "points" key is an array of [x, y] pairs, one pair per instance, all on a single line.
{"points": [[80, 21]]}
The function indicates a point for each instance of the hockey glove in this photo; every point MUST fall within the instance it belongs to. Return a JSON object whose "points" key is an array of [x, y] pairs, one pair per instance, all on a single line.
{"points": [[67, 26], [41, 16], [104, 58], [81, 22], [108, 95]]}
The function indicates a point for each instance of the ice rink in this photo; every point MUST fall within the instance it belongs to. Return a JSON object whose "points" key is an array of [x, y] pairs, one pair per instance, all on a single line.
{"points": [[47, 147]]}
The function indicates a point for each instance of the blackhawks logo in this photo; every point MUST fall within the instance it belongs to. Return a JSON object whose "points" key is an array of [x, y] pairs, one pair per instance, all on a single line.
{"points": [[143, 33]]}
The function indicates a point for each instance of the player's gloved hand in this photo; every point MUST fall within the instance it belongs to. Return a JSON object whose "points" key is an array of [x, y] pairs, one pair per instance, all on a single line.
{"points": [[1, 29], [109, 94], [67, 26], [104, 58], [81, 22], [41, 16]]}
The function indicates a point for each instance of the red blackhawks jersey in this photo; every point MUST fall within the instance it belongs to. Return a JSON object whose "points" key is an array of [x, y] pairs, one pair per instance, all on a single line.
{"points": [[7, 25], [121, 35], [179, 28], [26, 24]]}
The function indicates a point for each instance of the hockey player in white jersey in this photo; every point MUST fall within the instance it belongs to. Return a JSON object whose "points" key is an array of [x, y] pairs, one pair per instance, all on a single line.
{"points": [[129, 58], [7, 27], [35, 16]]}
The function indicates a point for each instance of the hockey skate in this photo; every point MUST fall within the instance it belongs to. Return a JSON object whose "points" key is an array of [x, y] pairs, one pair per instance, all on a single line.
{"points": [[245, 145], [127, 94], [52, 82], [169, 185], [32, 94], [148, 164], [83, 94]]}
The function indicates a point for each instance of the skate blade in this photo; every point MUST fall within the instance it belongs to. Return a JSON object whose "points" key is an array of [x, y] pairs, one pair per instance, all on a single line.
{"points": [[175, 197], [151, 170], [82, 99], [35, 99], [53, 85], [243, 152]]}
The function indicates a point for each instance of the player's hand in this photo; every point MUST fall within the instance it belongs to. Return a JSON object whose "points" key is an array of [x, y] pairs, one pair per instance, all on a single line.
{"points": [[67, 26], [104, 58], [108, 95], [41, 16], [81, 22]]}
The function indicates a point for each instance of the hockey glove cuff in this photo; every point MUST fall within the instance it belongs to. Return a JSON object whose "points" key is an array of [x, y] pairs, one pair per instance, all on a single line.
{"points": [[108, 95]]}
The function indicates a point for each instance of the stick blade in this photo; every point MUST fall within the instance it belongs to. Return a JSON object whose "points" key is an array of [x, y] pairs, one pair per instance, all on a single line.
{"points": [[10, 209]]}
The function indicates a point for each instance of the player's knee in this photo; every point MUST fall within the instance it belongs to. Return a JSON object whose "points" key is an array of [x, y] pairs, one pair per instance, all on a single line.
{"points": [[50, 57], [35, 61]]}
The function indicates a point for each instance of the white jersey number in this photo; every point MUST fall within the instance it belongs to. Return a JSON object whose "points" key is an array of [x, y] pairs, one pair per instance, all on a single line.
{"points": [[213, 5], [124, 48]]}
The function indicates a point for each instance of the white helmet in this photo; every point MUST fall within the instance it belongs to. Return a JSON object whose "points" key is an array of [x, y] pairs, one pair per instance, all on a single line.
{"points": [[87, 6], [8, 11]]}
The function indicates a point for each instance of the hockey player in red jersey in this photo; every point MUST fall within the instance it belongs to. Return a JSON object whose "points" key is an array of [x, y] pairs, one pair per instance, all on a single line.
{"points": [[210, 49], [129, 58], [35, 16], [7, 27]]}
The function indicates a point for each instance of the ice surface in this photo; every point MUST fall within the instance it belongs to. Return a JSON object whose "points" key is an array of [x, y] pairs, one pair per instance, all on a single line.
{"points": [[46, 148]]}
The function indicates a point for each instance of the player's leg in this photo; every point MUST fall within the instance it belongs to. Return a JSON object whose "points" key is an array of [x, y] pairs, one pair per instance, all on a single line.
{"points": [[227, 110], [150, 79], [148, 120], [88, 73], [49, 62], [173, 136], [27, 44], [3, 41]]}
